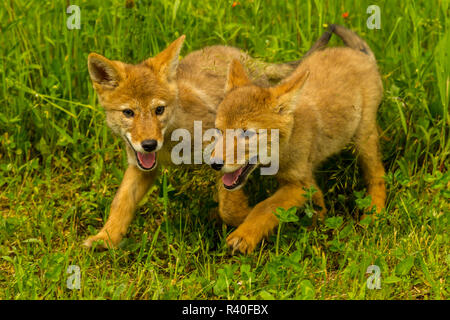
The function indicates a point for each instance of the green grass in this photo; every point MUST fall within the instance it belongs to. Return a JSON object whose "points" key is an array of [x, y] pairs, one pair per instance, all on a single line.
{"points": [[60, 166]]}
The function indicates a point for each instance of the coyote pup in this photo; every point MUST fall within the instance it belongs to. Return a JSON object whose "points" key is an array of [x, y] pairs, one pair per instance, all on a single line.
{"points": [[330, 100]]}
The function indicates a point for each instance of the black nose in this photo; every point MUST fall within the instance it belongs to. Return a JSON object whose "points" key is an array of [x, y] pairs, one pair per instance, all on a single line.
{"points": [[149, 145], [215, 165]]}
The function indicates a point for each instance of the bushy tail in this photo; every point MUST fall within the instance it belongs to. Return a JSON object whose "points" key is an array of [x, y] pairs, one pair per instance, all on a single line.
{"points": [[275, 72], [351, 39], [319, 44]]}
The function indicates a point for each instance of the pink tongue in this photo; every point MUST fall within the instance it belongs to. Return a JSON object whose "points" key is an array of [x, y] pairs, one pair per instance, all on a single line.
{"points": [[147, 160], [229, 179]]}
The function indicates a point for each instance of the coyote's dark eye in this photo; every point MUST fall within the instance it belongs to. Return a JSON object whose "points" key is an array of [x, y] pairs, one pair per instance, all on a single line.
{"points": [[159, 110], [128, 113]]}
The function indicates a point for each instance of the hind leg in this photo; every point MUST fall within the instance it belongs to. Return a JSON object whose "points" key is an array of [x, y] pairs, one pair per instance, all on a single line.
{"points": [[373, 170]]}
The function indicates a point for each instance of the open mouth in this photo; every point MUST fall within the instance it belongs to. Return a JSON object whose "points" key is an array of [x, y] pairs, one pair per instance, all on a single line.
{"points": [[234, 179], [146, 161]]}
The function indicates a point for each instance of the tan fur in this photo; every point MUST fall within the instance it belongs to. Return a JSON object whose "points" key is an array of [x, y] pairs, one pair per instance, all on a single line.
{"points": [[330, 101], [190, 89]]}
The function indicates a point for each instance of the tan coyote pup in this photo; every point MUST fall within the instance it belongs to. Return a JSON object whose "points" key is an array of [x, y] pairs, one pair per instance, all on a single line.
{"points": [[329, 101]]}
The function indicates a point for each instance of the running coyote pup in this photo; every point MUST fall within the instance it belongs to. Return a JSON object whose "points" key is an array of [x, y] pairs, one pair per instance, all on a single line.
{"points": [[330, 100]]}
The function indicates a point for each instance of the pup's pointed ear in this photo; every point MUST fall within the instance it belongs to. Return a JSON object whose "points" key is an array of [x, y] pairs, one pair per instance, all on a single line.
{"points": [[104, 73], [287, 91], [166, 62], [236, 76]]}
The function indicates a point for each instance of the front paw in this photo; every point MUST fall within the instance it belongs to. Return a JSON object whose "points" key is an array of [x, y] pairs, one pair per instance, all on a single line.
{"points": [[243, 240], [104, 240]]}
